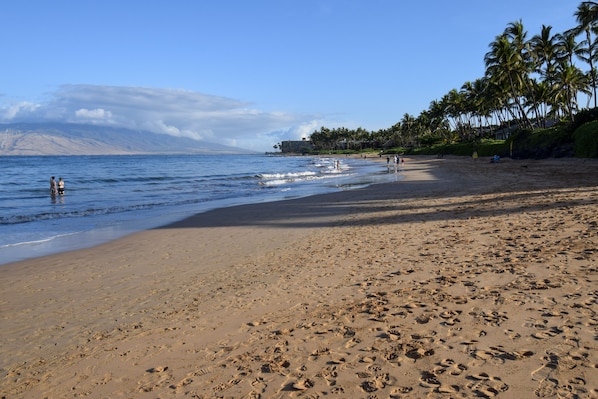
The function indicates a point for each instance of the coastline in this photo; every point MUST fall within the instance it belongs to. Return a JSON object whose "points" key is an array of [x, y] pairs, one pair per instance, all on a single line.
{"points": [[463, 278], [86, 217]]}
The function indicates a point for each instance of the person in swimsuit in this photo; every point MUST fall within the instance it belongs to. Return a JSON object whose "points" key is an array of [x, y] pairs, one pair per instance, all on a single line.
{"points": [[53, 189]]}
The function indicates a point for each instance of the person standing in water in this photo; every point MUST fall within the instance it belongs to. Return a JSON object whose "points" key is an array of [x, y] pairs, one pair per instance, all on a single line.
{"points": [[60, 186], [53, 189]]}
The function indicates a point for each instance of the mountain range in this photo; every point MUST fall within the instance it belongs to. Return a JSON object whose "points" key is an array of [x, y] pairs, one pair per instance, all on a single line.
{"points": [[78, 139]]}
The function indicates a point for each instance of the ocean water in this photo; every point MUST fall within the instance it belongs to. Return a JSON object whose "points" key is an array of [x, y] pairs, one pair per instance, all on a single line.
{"points": [[107, 197]]}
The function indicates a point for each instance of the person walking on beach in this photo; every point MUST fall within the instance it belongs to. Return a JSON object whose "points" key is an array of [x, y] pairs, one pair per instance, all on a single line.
{"points": [[60, 186], [53, 189]]}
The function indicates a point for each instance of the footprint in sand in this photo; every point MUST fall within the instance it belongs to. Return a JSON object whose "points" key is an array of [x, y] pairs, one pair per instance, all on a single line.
{"points": [[337, 390], [512, 334], [448, 389], [303, 384], [155, 377], [486, 386], [483, 356], [400, 390], [429, 380], [450, 367], [450, 317], [329, 374], [157, 369], [551, 332], [552, 387], [352, 342], [183, 383]]}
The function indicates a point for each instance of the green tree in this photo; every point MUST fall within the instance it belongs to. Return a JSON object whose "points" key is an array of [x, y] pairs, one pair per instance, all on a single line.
{"points": [[544, 49], [570, 80], [587, 19], [567, 47], [506, 68], [407, 129]]}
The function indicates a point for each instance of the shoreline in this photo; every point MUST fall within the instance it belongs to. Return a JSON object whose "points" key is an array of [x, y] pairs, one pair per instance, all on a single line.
{"points": [[440, 283], [94, 231]]}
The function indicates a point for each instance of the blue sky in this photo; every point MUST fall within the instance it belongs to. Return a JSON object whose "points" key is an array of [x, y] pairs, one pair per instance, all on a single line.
{"points": [[248, 73]]}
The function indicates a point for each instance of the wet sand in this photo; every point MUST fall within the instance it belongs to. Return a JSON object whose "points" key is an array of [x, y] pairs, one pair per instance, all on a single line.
{"points": [[465, 279]]}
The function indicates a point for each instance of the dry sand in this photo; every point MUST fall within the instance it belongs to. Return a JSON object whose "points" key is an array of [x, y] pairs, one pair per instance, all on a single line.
{"points": [[463, 280]]}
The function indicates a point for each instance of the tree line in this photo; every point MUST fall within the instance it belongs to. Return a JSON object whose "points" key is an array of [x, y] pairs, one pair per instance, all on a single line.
{"points": [[527, 82]]}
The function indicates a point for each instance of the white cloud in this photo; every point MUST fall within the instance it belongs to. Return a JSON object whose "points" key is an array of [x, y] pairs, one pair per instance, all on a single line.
{"points": [[20, 110], [305, 129], [97, 113], [168, 111]]}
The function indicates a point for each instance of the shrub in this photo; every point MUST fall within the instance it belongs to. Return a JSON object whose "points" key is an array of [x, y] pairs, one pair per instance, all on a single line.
{"points": [[586, 140], [555, 141], [583, 117]]}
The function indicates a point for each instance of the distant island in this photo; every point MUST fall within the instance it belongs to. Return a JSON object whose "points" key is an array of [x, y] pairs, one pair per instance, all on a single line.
{"points": [[79, 139]]}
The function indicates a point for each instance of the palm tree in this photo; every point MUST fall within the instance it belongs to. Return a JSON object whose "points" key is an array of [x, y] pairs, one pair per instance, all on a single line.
{"points": [[570, 80], [468, 101], [567, 46], [456, 107], [528, 62], [407, 131], [506, 68], [544, 93], [544, 48], [381, 137], [397, 134], [522, 79], [549, 51], [438, 121], [587, 18], [477, 101]]}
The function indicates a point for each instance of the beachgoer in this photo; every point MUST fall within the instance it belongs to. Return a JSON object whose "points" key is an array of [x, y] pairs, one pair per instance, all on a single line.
{"points": [[60, 186], [52, 187]]}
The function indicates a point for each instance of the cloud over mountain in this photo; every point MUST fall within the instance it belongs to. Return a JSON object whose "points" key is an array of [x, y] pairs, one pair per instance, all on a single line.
{"points": [[175, 112]]}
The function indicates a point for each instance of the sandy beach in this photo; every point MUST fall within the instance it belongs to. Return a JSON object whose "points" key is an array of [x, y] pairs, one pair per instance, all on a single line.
{"points": [[464, 279]]}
